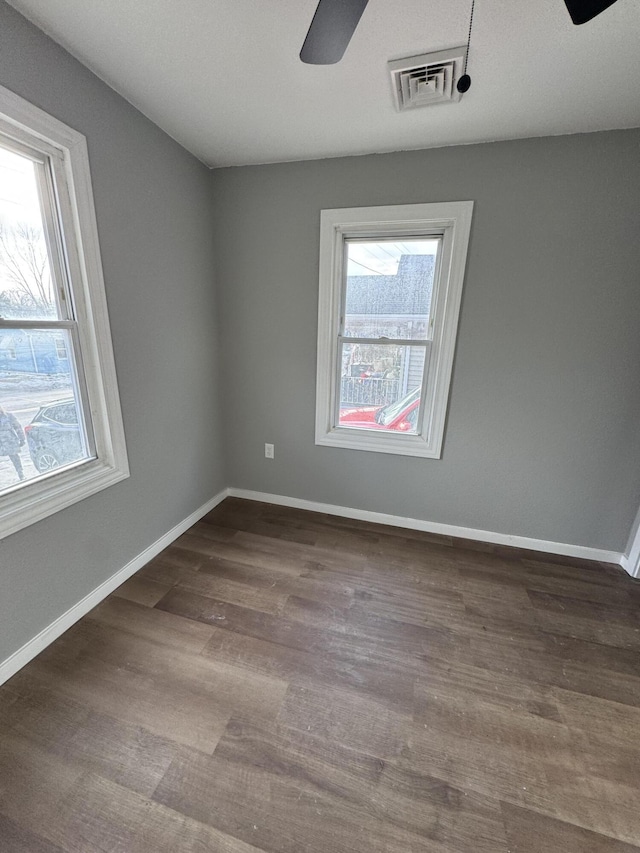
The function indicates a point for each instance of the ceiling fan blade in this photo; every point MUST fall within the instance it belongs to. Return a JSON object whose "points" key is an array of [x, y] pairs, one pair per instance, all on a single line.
{"points": [[582, 11], [331, 29]]}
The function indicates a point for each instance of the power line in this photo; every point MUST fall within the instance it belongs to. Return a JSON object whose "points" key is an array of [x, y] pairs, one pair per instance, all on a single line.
{"points": [[364, 267]]}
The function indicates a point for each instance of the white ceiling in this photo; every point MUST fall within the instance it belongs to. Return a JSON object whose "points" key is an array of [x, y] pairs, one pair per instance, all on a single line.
{"points": [[223, 77]]}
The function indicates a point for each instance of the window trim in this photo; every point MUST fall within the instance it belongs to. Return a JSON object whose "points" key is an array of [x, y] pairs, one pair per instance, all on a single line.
{"points": [[30, 502], [452, 222]]}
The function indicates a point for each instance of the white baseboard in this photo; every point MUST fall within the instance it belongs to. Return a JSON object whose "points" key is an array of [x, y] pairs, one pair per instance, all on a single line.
{"points": [[34, 646], [543, 545]]}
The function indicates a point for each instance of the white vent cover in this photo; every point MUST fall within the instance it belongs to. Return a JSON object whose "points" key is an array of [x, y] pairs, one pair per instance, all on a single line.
{"points": [[428, 79]]}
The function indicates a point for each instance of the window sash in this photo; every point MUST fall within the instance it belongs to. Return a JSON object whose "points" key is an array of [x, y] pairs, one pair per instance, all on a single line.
{"points": [[45, 161], [78, 380], [436, 236], [335, 418], [427, 343]]}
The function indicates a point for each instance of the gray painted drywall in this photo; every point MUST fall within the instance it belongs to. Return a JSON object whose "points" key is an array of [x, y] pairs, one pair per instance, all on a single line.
{"points": [[154, 207], [542, 437]]}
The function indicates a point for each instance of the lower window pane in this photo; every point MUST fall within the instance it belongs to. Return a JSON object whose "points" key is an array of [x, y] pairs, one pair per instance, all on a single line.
{"points": [[41, 424], [380, 387]]}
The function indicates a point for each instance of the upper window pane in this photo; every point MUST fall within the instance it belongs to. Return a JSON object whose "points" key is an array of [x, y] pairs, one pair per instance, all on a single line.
{"points": [[26, 284], [389, 286]]}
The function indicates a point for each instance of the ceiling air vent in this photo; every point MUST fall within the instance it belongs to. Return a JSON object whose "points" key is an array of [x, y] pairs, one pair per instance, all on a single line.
{"points": [[428, 79]]}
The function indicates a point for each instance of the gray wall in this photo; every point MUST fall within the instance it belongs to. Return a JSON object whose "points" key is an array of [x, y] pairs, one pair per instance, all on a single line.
{"points": [[542, 437], [154, 207]]}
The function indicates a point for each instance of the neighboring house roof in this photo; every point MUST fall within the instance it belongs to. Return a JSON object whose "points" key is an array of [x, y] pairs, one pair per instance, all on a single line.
{"points": [[407, 292]]}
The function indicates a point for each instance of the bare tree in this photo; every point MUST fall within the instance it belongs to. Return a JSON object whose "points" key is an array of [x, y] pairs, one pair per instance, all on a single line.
{"points": [[25, 264]]}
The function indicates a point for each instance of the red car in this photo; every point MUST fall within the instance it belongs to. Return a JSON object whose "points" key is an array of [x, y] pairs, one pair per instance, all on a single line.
{"points": [[400, 416]]}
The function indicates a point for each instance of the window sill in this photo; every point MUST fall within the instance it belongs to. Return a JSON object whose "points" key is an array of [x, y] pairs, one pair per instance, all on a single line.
{"points": [[55, 491], [379, 442]]}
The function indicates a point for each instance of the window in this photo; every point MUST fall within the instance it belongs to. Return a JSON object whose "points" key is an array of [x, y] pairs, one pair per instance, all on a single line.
{"points": [[390, 289], [61, 349], [61, 432]]}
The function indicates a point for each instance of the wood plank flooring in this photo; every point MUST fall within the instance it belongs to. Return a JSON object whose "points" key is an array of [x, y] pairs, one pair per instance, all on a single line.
{"points": [[290, 682]]}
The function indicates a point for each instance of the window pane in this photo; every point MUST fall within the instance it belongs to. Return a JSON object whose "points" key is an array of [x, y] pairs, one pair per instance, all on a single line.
{"points": [[41, 424], [26, 286], [380, 387], [389, 287]]}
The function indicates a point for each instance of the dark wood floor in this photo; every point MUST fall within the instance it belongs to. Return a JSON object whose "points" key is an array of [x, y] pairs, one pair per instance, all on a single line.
{"points": [[295, 683]]}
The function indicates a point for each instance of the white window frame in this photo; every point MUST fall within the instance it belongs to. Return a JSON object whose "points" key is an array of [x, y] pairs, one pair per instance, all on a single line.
{"points": [[66, 150], [451, 223]]}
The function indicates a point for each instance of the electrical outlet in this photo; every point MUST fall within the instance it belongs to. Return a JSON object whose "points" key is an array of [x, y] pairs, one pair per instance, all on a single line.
{"points": [[268, 451]]}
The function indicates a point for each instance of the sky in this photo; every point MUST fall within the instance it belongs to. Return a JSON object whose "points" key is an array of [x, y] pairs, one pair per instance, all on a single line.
{"points": [[19, 200], [18, 189], [381, 257]]}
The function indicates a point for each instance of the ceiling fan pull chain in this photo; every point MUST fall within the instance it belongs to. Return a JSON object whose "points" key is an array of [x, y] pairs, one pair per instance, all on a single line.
{"points": [[464, 81]]}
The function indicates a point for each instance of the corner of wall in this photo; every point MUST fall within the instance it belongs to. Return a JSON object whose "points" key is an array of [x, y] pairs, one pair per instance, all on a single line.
{"points": [[631, 559]]}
